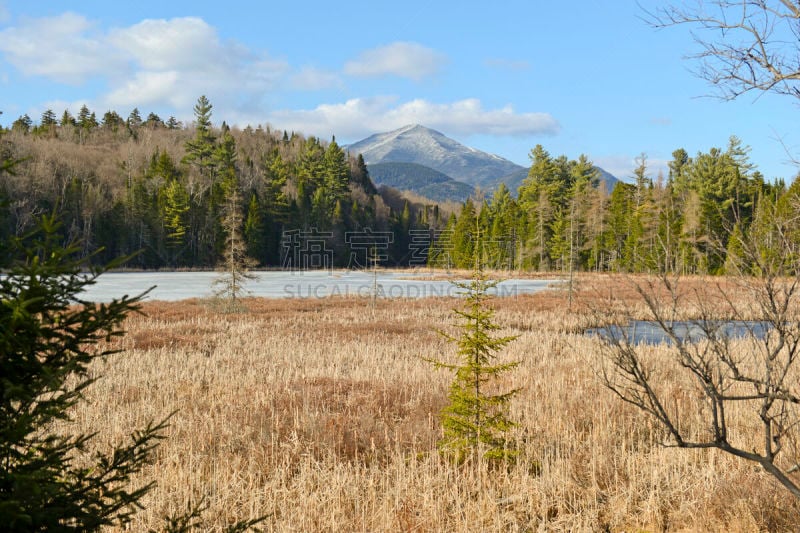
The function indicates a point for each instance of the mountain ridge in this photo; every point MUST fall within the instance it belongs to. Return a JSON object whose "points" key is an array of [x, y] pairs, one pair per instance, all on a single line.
{"points": [[421, 180], [425, 147]]}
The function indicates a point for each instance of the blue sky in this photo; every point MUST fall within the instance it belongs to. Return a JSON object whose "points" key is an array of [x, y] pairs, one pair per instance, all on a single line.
{"points": [[577, 77]]}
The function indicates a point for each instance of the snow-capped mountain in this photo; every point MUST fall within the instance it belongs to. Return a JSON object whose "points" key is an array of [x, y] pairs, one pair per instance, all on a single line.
{"points": [[424, 146], [400, 157]]}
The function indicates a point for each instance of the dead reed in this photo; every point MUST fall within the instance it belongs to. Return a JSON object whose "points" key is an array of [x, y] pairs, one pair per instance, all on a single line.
{"points": [[322, 414]]}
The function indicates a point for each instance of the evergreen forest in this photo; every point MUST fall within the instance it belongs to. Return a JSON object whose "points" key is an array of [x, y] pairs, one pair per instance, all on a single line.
{"points": [[166, 189]]}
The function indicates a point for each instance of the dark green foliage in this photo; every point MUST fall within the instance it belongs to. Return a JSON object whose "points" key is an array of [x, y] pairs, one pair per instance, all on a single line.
{"points": [[441, 252], [48, 339], [86, 118], [359, 175], [463, 238], [22, 124], [255, 230], [48, 122], [154, 121], [7, 165], [134, 119], [337, 174], [67, 119], [112, 121]]}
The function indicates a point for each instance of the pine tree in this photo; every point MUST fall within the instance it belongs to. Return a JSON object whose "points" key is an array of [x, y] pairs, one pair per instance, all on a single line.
{"points": [[464, 236], [441, 250], [172, 123], [360, 176], [276, 202], [67, 119], [669, 229], [337, 173], [48, 119], [154, 121], [504, 217], [735, 256], [22, 124], [255, 230], [48, 344], [476, 420], [174, 201], [311, 168], [200, 150], [620, 215], [112, 121], [84, 117], [560, 240], [49, 340], [134, 119]]}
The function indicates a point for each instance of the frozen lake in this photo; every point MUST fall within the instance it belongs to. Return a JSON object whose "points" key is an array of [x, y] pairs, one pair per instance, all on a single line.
{"points": [[173, 286]]}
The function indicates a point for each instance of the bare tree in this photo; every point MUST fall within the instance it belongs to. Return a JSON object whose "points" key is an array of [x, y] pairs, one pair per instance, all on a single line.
{"points": [[230, 285], [733, 385], [745, 45]]}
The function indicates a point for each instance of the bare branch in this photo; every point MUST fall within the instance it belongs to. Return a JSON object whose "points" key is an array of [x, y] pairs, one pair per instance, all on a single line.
{"points": [[757, 375], [744, 45]]}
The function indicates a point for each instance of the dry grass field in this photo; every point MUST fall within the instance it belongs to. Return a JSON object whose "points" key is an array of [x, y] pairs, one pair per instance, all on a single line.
{"points": [[322, 415]]}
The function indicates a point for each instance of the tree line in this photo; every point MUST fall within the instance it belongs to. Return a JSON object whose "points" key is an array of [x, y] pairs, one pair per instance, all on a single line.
{"points": [[127, 185], [694, 220], [167, 190]]}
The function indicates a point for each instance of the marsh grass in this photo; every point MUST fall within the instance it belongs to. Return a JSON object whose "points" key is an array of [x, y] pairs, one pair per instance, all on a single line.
{"points": [[324, 415]]}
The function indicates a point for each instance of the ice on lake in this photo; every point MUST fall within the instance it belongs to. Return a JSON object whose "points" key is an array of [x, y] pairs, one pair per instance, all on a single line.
{"points": [[172, 286]]}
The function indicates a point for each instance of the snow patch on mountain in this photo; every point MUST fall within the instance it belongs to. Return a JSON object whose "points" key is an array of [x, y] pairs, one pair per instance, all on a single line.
{"points": [[424, 146]]}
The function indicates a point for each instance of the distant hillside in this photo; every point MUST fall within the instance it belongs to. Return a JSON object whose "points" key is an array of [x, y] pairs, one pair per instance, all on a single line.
{"points": [[610, 179], [420, 179], [514, 180], [467, 167]]}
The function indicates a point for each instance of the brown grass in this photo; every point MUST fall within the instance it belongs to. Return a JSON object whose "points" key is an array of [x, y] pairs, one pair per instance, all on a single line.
{"points": [[322, 414]]}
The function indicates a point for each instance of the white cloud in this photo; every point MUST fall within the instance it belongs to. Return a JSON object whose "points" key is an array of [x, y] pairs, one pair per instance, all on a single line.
{"points": [[153, 62], [147, 88], [404, 59], [160, 63], [359, 117], [176, 60], [182, 43], [64, 48]]}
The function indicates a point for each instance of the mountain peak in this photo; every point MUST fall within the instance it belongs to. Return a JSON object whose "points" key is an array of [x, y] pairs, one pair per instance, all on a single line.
{"points": [[409, 127], [415, 143], [412, 129]]}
